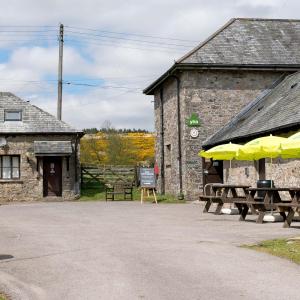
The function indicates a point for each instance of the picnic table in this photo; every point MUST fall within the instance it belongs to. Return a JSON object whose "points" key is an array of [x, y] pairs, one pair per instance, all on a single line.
{"points": [[288, 209], [271, 200], [220, 194]]}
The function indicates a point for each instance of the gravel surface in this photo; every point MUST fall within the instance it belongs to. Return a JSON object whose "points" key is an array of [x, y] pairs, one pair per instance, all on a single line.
{"points": [[125, 250]]}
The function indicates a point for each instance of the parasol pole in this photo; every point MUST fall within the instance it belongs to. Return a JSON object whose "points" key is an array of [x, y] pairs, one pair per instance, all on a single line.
{"points": [[271, 183]]}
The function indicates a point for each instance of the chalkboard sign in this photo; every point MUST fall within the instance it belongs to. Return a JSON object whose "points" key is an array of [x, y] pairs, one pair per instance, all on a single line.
{"points": [[147, 178]]}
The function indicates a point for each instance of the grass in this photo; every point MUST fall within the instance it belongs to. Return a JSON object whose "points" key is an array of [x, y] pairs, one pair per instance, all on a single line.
{"points": [[2, 297], [289, 249], [96, 192]]}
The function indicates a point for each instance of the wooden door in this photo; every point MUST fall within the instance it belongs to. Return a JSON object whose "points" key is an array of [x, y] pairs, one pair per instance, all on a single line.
{"points": [[212, 171], [52, 176]]}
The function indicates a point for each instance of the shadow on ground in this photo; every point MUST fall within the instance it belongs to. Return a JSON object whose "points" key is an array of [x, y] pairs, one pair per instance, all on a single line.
{"points": [[5, 256]]}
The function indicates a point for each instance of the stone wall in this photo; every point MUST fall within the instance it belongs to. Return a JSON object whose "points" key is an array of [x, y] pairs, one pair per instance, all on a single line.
{"points": [[216, 96], [30, 185], [284, 172], [170, 136]]}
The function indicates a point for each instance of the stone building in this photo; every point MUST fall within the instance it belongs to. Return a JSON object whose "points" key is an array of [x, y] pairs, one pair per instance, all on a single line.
{"points": [[39, 155], [275, 112], [204, 89]]}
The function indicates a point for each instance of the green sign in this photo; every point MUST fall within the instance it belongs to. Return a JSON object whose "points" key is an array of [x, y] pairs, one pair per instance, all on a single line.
{"points": [[193, 121]]}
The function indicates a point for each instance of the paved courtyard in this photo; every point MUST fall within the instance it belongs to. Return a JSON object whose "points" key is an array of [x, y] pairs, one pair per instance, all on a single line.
{"points": [[124, 250]]}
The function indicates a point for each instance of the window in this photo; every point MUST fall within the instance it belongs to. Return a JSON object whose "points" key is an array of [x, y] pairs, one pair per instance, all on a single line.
{"points": [[13, 115], [168, 156], [10, 167]]}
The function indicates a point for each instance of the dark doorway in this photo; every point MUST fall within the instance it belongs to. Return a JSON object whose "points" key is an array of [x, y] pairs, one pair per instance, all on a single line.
{"points": [[212, 171], [52, 176]]}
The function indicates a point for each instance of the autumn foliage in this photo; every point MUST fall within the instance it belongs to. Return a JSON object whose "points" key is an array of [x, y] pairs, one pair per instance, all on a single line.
{"points": [[117, 148]]}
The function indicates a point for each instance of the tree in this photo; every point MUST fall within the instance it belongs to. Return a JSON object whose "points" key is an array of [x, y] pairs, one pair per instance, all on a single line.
{"points": [[90, 130], [93, 149], [119, 150], [117, 146]]}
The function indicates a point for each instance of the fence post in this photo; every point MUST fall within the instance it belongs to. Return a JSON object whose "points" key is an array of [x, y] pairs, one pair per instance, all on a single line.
{"points": [[136, 176]]}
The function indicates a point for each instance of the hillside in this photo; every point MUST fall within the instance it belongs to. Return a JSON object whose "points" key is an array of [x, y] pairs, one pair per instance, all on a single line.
{"points": [[117, 148]]}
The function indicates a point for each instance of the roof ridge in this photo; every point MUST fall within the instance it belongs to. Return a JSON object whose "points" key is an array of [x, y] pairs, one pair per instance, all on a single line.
{"points": [[266, 19], [212, 36]]}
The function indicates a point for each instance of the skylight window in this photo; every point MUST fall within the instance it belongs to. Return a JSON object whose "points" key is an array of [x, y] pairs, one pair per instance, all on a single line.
{"points": [[13, 115]]}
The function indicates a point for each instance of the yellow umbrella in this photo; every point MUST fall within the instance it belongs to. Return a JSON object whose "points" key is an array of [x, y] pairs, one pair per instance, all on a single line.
{"points": [[290, 148], [221, 152], [267, 146], [263, 147]]}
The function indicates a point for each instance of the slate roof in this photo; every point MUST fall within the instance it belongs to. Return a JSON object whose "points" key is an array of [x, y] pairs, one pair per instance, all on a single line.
{"points": [[34, 119], [244, 43], [50, 147], [250, 41], [273, 110]]}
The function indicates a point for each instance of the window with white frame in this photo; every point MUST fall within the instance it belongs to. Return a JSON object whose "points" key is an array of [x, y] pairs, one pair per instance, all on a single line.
{"points": [[10, 166]]}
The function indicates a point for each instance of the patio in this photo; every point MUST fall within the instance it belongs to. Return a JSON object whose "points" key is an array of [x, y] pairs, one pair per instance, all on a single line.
{"points": [[124, 250]]}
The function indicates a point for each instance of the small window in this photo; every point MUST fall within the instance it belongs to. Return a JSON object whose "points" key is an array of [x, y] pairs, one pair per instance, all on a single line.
{"points": [[168, 156], [10, 167], [13, 115]]}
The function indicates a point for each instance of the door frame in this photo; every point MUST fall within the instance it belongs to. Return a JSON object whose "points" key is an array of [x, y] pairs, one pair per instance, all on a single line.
{"points": [[219, 171], [57, 159]]}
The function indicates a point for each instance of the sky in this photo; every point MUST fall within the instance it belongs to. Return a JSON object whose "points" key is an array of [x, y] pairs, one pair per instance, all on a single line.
{"points": [[112, 50]]}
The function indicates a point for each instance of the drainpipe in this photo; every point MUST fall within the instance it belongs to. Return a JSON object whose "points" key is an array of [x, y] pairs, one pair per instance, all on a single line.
{"points": [[180, 196], [162, 143], [77, 138]]}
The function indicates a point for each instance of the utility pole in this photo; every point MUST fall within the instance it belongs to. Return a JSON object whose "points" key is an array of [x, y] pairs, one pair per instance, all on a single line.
{"points": [[60, 70]]}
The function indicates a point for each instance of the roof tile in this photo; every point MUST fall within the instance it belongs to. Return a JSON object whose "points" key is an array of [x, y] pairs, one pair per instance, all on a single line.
{"points": [[34, 119]]}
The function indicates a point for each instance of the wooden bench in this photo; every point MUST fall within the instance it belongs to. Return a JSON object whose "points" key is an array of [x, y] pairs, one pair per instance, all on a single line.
{"points": [[210, 197], [244, 206], [119, 187], [209, 201], [219, 194], [290, 208]]}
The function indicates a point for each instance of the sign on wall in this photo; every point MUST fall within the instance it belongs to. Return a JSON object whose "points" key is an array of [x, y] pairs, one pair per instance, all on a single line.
{"points": [[147, 178], [194, 132], [193, 120]]}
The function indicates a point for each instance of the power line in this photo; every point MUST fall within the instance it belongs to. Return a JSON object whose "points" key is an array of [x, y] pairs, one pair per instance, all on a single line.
{"points": [[41, 82], [27, 40], [18, 34], [27, 31], [111, 77], [102, 86], [133, 34], [100, 42], [126, 39], [105, 44], [21, 80], [28, 26], [79, 79]]}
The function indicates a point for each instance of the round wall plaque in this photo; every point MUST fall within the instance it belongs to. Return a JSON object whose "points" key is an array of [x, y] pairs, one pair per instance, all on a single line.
{"points": [[194, 133]]}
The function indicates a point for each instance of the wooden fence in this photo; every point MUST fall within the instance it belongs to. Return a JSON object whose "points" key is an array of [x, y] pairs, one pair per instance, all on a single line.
{"points": [[94, 174]]}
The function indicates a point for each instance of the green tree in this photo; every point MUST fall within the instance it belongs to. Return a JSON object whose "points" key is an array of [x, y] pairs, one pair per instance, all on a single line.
{"points": [[120, 151]]}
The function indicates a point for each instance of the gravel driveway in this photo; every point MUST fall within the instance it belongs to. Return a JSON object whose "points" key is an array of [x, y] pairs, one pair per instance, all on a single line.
{"points": [[124, 250]]}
